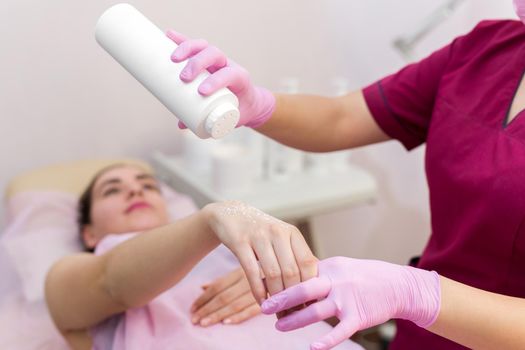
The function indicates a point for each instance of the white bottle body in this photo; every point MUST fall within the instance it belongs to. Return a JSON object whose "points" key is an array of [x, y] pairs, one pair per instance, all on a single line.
{"points": [[145, 51]]}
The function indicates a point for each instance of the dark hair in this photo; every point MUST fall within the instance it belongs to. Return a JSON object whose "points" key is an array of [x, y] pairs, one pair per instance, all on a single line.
{"points": [[85, 201]]}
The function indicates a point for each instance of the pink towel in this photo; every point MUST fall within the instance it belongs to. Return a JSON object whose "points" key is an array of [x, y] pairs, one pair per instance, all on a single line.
{"points": [[165, 322]]}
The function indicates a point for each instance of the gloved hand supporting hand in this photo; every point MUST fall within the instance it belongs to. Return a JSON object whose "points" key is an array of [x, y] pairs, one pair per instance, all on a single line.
{"points": [[362, 294]]}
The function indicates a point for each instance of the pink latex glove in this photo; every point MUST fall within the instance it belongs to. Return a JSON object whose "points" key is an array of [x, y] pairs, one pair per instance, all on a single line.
{"points": [[256, 104], [362, 294]]}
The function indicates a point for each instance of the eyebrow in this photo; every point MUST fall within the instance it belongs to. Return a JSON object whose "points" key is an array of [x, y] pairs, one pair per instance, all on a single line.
{"points": [[145, 176], [116, 180]]}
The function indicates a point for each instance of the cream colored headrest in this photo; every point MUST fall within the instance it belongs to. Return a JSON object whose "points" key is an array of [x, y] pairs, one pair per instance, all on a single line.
{"points": [[72, 177]]}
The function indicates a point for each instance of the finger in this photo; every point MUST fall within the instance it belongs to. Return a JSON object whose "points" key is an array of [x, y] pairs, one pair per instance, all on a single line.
{"points": [[223, 299], [236, 79], [232, 308], [313, 289], [340, 333], [177, 37], [247, 313], [285, 313], [269, 265], [210, 58], [249, 264], [213, 289], [289, 269], [302, 318], [304, 257], [187, 49], [285, 256], [182, 125]]}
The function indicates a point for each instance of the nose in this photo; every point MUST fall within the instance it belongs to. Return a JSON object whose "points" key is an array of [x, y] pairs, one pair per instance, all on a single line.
{"points": [[135, 190]]}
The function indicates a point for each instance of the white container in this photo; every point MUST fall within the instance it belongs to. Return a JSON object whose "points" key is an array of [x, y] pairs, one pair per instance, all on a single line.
{"points": [[284, 162], [232, 170], [145, 52], [197, 153]]}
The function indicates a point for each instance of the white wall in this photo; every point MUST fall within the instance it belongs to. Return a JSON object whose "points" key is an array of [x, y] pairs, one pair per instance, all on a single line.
{"points": [[63, 98]]}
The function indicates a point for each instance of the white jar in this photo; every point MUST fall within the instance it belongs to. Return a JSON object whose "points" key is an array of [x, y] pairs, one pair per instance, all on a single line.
{"points": [[232, 170], [145, 52]]}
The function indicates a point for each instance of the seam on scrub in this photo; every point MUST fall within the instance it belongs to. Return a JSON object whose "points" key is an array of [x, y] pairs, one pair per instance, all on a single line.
{"points": [[406, 128], [503, 131]]}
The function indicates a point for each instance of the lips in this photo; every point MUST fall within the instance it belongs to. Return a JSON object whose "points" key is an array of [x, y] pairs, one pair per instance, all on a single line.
{"points": [[137, 206]]}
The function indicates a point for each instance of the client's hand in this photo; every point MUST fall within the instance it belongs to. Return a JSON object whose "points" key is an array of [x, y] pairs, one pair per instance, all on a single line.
{"points": [[257, 238], [362, 294], [256, 104], [227, 299]]}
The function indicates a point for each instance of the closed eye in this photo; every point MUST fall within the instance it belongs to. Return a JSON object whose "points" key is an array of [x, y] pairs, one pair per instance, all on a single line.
{"points": [[110, 191], [151, 187]]}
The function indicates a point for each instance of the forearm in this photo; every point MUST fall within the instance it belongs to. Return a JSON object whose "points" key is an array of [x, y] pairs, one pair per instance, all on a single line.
{"points": [[139, 269], [480, 319], [322, 124]]}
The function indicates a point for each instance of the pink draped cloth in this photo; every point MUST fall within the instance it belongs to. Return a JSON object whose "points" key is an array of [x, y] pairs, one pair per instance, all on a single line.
{"points": [[165, 322]]}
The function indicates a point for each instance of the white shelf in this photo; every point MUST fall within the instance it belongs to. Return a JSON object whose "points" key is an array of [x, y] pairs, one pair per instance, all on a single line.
{"points": [[298, 198]]}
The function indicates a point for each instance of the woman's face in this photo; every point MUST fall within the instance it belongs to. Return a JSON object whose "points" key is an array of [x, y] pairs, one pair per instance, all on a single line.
{"points": [[124, 199]]}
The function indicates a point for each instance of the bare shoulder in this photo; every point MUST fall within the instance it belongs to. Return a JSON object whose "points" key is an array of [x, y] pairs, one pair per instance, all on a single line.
{"points": [[76, 295], [59, 274]]}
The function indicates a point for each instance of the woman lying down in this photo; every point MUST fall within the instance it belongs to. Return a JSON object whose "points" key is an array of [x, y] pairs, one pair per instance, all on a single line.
{"points": [[142, 288]]}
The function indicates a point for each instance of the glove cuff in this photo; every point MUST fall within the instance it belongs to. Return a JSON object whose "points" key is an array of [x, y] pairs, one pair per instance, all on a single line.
{"points": [[424, 302], [267, 101]]}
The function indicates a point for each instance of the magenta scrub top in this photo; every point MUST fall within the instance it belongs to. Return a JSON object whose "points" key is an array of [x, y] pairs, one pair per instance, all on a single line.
{"points": [[457, 101]]}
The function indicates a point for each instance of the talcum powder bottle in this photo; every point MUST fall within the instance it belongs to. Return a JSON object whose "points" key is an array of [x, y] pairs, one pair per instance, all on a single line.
{"points": [[145, 52]]}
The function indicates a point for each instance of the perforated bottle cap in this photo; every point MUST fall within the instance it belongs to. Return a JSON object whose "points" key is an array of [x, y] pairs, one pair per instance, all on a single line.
{"points": [[222, 120]]}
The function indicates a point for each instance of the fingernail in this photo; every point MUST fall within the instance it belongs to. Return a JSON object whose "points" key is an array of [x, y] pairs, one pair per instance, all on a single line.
{"points": [[317, 346], [282, 325], [205, 322], [227, 321], [273, 304], [268, 306], [186, 73], [204, 88], [195, 319]]}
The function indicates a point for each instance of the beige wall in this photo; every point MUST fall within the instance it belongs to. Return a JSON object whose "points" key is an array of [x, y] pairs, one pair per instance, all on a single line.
{"points": [[63, 98]]}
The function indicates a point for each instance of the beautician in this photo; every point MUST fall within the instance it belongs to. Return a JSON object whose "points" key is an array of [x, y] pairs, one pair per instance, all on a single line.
{"points": [[465, 102]]}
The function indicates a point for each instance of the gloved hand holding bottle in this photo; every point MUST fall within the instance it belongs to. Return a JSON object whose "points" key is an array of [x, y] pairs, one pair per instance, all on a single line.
{"points": [[256, 104], [362, 294]]}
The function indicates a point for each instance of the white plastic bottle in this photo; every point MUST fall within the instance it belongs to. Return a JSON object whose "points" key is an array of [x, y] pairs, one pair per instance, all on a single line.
{"points": [[145, 51]]}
